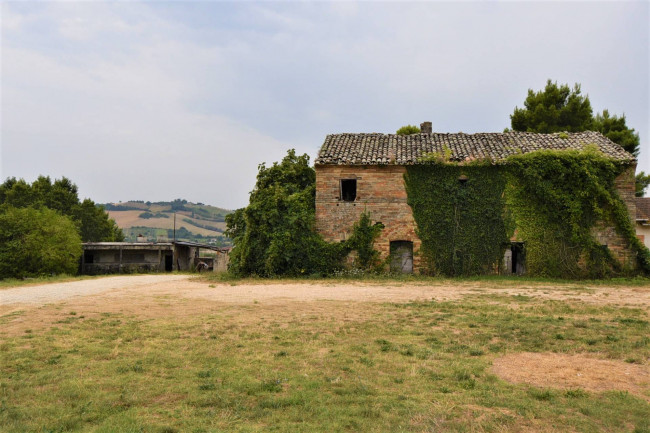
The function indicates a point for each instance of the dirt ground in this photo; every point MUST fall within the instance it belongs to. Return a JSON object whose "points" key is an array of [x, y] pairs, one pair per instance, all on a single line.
{"points": [[563, 371], [37, 307]]}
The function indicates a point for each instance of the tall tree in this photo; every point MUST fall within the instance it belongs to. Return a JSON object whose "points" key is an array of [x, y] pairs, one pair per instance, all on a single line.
{"points": [[642, 182], [554, 109], [614, 128], [559, 108]]}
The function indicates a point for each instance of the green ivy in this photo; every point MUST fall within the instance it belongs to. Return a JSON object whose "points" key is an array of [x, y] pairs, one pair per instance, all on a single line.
{"points": [[460, 216], [362, 240], [465, 214], [557, 197]]}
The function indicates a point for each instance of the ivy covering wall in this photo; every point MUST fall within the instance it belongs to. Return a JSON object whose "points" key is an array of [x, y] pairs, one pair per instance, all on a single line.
{"points": [[459, 212], [466, 213]]}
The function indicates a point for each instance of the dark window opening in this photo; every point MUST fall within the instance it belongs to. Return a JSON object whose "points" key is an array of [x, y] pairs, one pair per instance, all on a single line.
{"points": [[88, 257], [348, 189], [132, 257], [518, 258]]}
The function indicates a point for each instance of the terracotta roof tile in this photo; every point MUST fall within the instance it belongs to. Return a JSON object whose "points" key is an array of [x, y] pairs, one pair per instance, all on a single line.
{"points": [[382, 149]]}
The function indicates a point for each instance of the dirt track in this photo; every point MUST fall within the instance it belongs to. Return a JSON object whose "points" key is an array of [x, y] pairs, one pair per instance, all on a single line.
{"points": [[122, 288]]}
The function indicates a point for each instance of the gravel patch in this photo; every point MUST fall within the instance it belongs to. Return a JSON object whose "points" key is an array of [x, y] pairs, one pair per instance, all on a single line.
{"points": [[46, 293]]}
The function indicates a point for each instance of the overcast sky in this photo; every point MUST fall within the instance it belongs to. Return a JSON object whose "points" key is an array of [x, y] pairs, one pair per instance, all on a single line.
{"points": [[156, 101]]}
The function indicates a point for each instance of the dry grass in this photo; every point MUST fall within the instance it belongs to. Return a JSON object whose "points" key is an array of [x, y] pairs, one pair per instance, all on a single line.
{"points": [[186, 356]]}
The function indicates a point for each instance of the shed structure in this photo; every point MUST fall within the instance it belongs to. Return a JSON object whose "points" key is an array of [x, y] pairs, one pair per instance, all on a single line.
{"points": [[129, 257]]}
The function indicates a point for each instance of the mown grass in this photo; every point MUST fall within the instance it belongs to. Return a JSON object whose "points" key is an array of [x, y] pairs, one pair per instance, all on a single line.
{"points": [[421, 366]]}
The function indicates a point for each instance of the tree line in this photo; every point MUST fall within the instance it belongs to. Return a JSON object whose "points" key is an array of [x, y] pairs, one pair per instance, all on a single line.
{"points": [[43, 224]]}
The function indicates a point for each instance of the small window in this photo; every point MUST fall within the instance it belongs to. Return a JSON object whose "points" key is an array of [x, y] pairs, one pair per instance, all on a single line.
{"points": [[348, 189]]}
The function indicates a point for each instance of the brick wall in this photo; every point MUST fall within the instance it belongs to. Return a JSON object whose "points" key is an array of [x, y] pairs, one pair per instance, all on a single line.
{"points": [[380, 190], [606, 235]]}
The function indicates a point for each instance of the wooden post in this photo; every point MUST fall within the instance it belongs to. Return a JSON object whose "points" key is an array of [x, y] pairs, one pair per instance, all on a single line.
{"points": [[120, 259]]}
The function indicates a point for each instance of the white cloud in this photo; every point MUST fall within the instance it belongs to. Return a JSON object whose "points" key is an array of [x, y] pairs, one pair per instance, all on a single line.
{"points": [[122, 96]]}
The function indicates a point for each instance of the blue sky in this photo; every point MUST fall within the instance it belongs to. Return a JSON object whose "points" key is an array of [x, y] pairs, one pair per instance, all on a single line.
{"points": [[161, 100]]}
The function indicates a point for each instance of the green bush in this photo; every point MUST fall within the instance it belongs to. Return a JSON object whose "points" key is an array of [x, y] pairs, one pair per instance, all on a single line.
{"points": [[408, 130], [362, 240], [37, 242], [274, 235]]}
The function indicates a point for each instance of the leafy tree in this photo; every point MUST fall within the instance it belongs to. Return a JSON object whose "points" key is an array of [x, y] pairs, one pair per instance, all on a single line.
{"points": [[274, 234], [17, 193], [37, 241], [642, 182], [614, 128], [95, 226], [408, 130], [559, 108], [554, 109], [93, 222], [179, 204]]}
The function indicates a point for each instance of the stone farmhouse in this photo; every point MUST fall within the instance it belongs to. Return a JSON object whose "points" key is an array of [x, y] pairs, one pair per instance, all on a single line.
{"points": [[357, 172]]}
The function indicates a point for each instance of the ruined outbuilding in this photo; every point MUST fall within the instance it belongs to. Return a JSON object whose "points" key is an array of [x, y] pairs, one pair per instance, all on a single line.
{"points": [[130, 257]]}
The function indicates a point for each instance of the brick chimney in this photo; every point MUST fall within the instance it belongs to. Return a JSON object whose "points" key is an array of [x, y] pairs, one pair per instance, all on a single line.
{"points": [[426, 127]]}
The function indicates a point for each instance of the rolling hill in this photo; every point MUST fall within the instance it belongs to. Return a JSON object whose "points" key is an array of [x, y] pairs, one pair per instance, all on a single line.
{"points": [[195, 222]]}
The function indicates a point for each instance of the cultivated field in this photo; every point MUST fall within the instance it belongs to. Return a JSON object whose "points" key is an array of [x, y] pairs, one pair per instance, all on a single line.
{"points": [[131, 218], [167, 353]]}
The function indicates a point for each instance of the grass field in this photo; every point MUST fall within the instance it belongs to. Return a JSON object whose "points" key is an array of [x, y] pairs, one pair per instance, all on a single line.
{"points": [[177, 364]]}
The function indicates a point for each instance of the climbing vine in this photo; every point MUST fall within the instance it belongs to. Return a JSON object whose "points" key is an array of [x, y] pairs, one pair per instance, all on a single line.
{"points": [[466, 213], [557, 199], [362, 240], [459, 212]]}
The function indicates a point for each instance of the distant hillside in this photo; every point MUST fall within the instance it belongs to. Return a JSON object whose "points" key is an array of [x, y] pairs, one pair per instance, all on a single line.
{"points": [[195, 222]]}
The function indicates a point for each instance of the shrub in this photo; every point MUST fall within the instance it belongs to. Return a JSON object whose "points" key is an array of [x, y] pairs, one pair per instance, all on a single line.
{"points": [[37, 242], [408, 130]]}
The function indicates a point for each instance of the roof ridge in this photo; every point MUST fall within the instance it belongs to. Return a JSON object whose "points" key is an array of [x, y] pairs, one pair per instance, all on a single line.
{"points": [[375, 148]]}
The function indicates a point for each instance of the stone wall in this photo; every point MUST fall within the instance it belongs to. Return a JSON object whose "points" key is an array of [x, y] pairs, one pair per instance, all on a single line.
{"points": [[380, 190]]}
